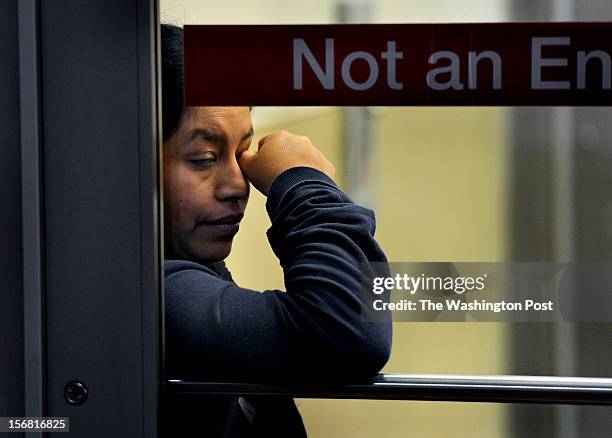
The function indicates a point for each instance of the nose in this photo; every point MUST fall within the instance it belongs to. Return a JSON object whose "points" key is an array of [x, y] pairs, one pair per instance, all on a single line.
{"points": [[231, 182]]}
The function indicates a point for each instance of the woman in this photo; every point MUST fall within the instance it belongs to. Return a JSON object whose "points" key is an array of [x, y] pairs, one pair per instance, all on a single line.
{"points": [[216, 330]]}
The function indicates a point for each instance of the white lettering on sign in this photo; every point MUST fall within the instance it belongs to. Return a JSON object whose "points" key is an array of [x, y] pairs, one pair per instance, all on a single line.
{"points": [[496, 63], [346, 70], [448, 75], [537, 62], [302, 52], [391, 56], [582, 60], [453, 68], [326, 77]]}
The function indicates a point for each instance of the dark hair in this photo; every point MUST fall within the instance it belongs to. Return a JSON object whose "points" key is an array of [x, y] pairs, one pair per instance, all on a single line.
{"points": [[173, 105]]}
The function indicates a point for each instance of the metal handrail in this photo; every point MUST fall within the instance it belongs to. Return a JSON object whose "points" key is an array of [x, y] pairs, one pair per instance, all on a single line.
{"points": [[501, 389]]}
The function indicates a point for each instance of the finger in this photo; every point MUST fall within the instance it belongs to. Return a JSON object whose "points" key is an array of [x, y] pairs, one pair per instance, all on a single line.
{"points": [[246, 158], [262, 140]]}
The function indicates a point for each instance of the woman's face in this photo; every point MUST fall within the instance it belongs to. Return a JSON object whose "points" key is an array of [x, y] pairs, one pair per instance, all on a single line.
{"points": [[205, 192]]}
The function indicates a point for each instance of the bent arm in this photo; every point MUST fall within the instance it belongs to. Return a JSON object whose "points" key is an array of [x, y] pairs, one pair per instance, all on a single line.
{"points": [[215, 329]]}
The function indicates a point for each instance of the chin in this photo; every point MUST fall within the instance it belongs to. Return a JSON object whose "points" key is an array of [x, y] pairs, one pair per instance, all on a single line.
{"points": [[213, 252]]}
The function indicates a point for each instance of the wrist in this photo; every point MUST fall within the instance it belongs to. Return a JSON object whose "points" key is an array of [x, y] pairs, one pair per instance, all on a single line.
{"points": [[288, 179]]}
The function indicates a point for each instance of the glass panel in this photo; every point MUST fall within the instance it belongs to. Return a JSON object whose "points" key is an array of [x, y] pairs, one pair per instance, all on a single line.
{"points": [[452, 184]]}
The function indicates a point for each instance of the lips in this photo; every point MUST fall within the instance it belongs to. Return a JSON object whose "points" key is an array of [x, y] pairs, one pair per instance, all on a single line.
{"points": [[231, 219], [224, 227]]}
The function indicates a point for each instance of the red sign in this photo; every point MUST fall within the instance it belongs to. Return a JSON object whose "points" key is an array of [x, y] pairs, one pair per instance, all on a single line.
{"points": [[399, 64]]}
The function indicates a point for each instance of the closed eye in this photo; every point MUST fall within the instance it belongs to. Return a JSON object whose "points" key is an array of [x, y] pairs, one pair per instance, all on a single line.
{"points": [[203, 162]]}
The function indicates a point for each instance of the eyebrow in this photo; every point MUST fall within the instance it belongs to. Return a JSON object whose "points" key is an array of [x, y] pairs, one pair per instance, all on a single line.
{"points": [[214, 137]]}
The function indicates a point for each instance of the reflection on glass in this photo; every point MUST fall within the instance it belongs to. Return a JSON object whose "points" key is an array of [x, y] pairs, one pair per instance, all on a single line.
{"points": [[454, 185]]}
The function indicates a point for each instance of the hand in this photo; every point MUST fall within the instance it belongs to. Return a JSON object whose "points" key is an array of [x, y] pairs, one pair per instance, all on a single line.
{"points": [[278, 152]]}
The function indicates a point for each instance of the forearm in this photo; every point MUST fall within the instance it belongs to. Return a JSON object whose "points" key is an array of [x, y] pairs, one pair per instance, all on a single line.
{"points": [[321, 238]]}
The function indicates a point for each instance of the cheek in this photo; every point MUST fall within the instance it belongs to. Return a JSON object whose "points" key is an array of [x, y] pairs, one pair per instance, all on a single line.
{"points": [[174, 191], [187, 193]]}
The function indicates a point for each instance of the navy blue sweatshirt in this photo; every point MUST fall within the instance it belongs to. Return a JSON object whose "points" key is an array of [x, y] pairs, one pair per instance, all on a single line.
{"points": [[216, 330]]}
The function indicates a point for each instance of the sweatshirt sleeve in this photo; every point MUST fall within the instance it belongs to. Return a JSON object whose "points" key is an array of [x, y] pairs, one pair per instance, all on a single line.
{"points": [[314, 330]]}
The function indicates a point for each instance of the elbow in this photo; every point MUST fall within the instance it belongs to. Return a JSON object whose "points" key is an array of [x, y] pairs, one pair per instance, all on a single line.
{"points": [[363, 357], [376, 348]]}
